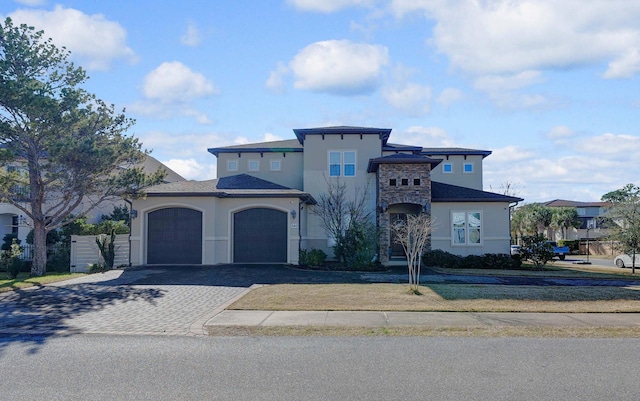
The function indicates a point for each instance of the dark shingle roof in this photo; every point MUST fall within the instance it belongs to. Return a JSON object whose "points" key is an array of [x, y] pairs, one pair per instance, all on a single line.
{"points": [[400, 158], [237, 186], [451, 193], [245, 181], [288, 146], [454, 151], [568, 203]]}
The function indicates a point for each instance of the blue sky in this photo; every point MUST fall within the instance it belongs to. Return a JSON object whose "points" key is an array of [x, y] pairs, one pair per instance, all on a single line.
{"points": [[550, 87]]}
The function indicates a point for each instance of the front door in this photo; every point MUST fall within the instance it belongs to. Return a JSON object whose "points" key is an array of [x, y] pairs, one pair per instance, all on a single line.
{"points": [[396, 248]]}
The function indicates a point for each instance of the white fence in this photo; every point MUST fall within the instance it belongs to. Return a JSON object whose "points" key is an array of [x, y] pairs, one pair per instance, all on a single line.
{"points": [[85, 252]]}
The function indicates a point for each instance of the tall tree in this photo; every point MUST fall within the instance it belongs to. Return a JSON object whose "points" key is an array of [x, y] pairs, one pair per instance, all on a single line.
{"points": [[64, 150], [625, 212], [414, 234]]}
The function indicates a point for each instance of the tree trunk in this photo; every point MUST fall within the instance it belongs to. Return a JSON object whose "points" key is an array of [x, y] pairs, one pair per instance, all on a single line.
{"points": [[39, 266]]}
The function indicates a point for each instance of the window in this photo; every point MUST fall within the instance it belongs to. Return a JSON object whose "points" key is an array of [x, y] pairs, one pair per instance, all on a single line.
{"points": [[254, 165], [581, 211], [342, 163], [466, 228], [334, 164], [392, 182], [468, 168], [416, 182], [447, 168], [405, 182], [275, 165], [232, 165]]}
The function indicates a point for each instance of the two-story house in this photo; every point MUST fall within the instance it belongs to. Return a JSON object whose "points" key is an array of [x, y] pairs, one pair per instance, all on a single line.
{"points": [[591, 214], [260, 208]]}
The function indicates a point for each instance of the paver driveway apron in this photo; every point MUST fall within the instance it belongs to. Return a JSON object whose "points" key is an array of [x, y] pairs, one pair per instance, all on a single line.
{"points": [[133, 301]]}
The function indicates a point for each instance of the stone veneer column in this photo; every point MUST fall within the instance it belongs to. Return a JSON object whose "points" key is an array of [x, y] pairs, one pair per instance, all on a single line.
{"points": [[408, 194]]}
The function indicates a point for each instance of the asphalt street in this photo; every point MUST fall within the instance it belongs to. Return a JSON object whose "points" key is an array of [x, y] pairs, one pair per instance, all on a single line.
{"points": [[96, 367]]}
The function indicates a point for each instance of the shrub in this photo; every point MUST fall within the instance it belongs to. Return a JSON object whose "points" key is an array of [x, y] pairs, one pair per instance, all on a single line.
{"points": [[448, 260], [10, 259], [440, 258], [359, 246], [537, 249], [106, 244], [313, 257], [98, 268]]}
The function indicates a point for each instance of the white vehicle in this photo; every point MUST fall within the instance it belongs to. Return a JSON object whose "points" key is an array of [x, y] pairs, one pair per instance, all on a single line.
{"points": [[624, 260]]}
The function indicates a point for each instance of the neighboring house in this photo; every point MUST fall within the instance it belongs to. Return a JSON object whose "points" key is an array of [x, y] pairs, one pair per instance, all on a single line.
{"points": [[260, 209], [589, 213], [14, 221]]}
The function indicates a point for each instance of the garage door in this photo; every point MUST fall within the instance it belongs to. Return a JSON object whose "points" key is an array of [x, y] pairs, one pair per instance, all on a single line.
{"points": [[174, 236], [260, 236]]}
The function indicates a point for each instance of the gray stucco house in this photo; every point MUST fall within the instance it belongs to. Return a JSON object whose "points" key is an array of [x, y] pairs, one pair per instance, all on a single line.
{"points": [[259, 210]]}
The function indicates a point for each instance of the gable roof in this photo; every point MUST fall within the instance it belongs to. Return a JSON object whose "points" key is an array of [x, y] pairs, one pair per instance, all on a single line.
{"points": [[383, 133], [400, 158], [452, 193]]}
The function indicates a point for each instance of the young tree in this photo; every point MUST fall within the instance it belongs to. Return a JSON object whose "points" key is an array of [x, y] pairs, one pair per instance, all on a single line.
{"points": [[625, 212], [414, 235], [343, 217], [64, 150]]}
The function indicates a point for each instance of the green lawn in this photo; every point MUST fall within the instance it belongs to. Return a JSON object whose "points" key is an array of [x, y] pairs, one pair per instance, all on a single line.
{"points": [[24, 281]]}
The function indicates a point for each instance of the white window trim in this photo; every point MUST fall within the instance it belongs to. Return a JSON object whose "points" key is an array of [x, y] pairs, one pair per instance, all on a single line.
{"points": [[230, 163], [253, 161], [464, 168], [445, 171], [342, 163], [466, 229], [274, 161]]}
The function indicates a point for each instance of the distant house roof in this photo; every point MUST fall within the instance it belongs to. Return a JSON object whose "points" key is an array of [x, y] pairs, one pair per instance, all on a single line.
{"points": [[568, 203], [301, 133], [237, 186], [400, 158], [150, 165], [287, 146], [394, 147], [454, 151], [452, 193]]}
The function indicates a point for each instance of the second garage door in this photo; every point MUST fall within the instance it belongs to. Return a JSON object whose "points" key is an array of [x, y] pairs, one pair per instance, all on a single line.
{"points": [[260, 236]]}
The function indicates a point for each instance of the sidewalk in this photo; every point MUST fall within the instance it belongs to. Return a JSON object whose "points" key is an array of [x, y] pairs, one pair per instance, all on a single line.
{"points": [[257, 318]]}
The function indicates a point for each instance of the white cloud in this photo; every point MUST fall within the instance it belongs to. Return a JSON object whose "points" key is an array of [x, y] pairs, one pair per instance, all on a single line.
{"points": [[188, 168], [448, 96], [510, 154], [192, 36], [339, 67], [275, 82], [624, 147], [503, 90], [269, 137], [175, 82], [410, 98], [428, 137], [328, 6], [498, 37], [94, 41]]}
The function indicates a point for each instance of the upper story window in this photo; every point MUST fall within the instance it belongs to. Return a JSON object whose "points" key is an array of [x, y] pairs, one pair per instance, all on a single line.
{"points": [[232, 165], [447, 168], [254, 165], [275, 165], [467, 168], [581, 211], [342, 163], [466, 228]]}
